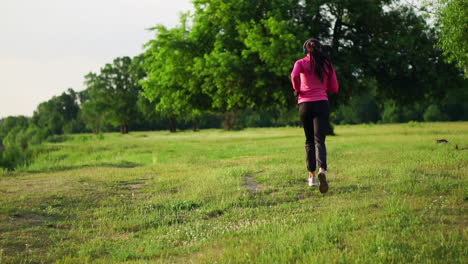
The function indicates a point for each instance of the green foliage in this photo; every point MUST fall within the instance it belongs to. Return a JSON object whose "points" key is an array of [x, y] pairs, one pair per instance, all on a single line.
{"points": [[453, 19], [391, 113], [405, 63], [237, 55], [57, 112], [170, 84], [112, 95], [75, 126], [433, 113], [454, 104], [249, 48], [18, 145], [12, 157], [19, 137], [361, 108], [93, 113], [257, 119], [11, 122]]}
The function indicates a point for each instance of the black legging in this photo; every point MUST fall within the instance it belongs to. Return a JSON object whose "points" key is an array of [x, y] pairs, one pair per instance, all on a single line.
{"points": [[314, 117]]}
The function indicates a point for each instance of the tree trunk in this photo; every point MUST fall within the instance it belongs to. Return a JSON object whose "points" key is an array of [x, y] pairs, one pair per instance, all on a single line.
{"points": [[172, 124], [124, 128], [230, 121], [337, 30], [97, 123], [195, 125]]}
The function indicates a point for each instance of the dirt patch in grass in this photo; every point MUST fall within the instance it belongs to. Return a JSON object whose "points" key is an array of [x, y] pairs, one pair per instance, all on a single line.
{"points": [[251, 184]]}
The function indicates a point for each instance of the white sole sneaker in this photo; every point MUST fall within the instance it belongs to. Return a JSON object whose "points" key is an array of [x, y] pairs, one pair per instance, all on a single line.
{"points": [[313, 181]]}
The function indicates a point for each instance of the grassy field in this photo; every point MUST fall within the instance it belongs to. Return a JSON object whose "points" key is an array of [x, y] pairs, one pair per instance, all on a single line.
{"points": [[396, 196]]}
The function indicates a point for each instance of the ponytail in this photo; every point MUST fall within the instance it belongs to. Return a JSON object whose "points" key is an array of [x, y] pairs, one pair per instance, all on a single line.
{"points": [[319, 59]]}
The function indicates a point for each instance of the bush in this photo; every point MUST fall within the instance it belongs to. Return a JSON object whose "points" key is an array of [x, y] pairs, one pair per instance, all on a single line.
{"points": [[11, 123], [391, 113], [210, 120], [361, 108], [345, 115], [411, 113], [433, 113], [455, 106], [37, 134], [74, 126], [288, 117], [17, 145], [253, 118], [12, 157]]}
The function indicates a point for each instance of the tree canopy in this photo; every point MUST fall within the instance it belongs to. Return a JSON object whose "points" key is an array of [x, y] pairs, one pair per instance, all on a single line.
{"points": [[453, 19], [57, 112], [112, 94], [237, 55]]}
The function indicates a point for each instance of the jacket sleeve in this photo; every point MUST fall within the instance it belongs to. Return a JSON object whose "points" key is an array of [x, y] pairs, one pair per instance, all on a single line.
{"points": [[296, 77], [333, 85]]}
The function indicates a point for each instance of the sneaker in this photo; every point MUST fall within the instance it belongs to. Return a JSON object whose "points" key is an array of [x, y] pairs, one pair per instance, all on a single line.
{"points": [[313, 181], [323, 182]]}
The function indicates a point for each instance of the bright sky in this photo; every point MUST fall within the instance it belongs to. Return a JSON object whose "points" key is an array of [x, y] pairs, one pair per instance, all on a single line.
{"points": [[47, 46]]}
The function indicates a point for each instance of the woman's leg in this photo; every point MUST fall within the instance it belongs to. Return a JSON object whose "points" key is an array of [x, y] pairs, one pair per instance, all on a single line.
{"points": [[307, 117], [320, 121]]}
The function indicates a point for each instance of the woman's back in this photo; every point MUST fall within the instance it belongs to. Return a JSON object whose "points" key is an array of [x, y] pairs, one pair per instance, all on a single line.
{"points": [[309, 85]]}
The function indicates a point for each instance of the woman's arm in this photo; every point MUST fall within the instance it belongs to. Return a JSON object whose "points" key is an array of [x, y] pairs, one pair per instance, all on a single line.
{"points": [[332, 84], [296, 77]]}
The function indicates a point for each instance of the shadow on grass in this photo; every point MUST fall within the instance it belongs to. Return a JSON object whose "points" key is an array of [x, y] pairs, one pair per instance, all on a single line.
{"points": [[33, 225], [48, 212], [122, 164]]}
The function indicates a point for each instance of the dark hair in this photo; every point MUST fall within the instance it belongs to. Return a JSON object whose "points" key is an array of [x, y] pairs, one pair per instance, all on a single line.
{"points": [[319, 58]]}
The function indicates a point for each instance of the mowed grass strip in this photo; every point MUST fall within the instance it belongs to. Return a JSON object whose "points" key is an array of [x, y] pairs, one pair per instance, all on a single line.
{"points": [[396, 196]]}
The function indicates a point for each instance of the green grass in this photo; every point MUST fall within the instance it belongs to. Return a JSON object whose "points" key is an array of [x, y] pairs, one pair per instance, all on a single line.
{"points": [[241, 197]]}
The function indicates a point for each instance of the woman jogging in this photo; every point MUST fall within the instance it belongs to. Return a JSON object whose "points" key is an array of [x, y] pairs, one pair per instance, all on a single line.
{"points": [[311, 78]]}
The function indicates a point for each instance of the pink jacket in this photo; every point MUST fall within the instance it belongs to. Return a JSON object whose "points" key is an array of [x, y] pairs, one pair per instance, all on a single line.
{"points": [[308, 84]]}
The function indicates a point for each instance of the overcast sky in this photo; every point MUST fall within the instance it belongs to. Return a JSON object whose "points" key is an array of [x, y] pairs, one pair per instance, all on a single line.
{"points": [[47, 46]]}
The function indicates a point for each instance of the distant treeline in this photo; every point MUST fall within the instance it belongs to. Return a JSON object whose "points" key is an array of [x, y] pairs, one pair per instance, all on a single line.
{"points": [[228, 64]]}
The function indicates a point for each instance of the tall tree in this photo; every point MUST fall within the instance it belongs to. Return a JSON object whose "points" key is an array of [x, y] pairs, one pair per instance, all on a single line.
{"points": [[57, 112], [403, 59], [251, 46], [452, 16], [112, 95], [9, 123], [239, 54], [233, 73], [170, 83]]}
